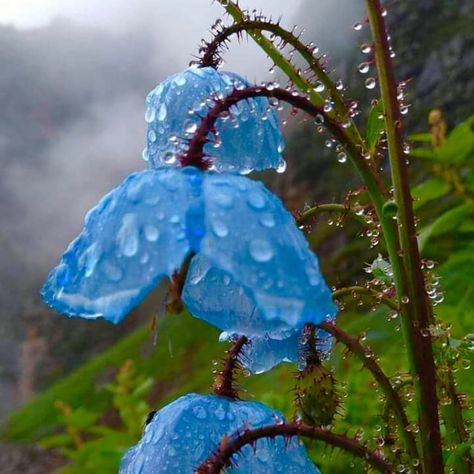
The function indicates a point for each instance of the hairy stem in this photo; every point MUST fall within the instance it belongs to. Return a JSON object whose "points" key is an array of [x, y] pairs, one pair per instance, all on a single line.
{"points": [[224, 382], [298, 79], [233, 444], [417, 314], [331, 207], [195, 153], [368, 360], [211, 52], [367, 291]]}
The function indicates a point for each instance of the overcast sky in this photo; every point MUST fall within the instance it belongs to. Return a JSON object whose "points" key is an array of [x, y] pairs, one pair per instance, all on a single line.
{"points": [[177, 24]]}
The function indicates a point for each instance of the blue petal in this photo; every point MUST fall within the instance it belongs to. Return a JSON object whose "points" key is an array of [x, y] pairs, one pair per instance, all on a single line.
{"points": [[263, 353], [135, 236], [258, 277], [185, 433], [255, 144]]}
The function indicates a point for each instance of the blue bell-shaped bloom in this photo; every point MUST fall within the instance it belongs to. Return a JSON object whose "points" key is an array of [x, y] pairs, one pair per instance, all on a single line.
{"points": [[249, 138], [185, 433], [143, 230]]}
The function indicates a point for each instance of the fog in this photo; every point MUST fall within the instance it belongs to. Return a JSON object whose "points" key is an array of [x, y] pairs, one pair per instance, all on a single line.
{"points": [[73, 81]]}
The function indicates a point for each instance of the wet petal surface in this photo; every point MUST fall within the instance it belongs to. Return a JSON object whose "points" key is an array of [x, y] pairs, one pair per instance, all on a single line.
{"points": [[255, 274], [136, 235], [249, 138], [183, 434]]}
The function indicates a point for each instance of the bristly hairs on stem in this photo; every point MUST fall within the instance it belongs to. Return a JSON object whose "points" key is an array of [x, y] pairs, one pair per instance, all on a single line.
{"points": [[231, 445], [224, 381], [195, 156]]}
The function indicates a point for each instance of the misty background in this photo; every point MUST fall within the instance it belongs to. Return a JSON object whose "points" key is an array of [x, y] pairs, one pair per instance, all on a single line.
{"points": [[73, 79]]}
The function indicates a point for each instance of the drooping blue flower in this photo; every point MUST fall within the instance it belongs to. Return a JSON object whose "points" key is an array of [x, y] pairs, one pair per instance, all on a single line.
{"points": [[249, 138], [143, 230], [185, 433]]}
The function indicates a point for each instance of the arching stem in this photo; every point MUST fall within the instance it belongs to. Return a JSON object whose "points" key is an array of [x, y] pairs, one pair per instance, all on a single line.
{"points": [[368, 360], [331, 207], [367, 291], [231, 445]]}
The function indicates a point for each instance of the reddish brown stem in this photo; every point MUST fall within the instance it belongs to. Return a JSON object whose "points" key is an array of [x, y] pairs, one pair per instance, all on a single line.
{"points": [[231, 445], [364, 354], [224, 382]]}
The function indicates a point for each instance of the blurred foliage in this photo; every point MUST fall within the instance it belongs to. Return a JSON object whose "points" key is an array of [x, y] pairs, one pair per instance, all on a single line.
{"points": [[98, 419]]}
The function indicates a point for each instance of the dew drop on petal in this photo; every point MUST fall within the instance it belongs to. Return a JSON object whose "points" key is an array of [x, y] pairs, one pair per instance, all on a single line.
{"points": [[150, 114], [151, 233], [256, 201], [162, 112], [127, 236], [219, 228], [261, 250]]}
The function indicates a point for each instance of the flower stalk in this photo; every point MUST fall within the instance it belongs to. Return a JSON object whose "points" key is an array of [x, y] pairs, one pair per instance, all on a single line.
{"points": [[417, 312], [231, 445]]}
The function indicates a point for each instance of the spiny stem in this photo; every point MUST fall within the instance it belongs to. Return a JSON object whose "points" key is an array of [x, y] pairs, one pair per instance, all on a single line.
{"points": [[224, 382], [368, 291], [364, 354], [300, 82], [331, 207], [211, 52], [418, 314], [195, 153], [231, 445]]}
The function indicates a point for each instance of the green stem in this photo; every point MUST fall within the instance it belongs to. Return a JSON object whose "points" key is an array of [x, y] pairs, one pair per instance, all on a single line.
{"points": [[367, 291], [332, 207], [417, 313], [351, 138], [368, 360]]}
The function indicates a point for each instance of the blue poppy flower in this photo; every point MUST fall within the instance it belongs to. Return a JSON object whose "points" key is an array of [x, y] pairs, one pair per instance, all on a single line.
{"points": [[186, 432], [249, 138], [143, 230]]}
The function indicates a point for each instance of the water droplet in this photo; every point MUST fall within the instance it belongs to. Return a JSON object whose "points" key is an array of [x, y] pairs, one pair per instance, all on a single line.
{"points": [[342, 157], [191, 127], [261, 250], [281, 168], [127, 236], [200, 412], [366, 48], [152, 135], [145, 154], [357, 26], [112, 272], [267, 220], [363, 68], [319, 86], [151, 233], [162, 112], [150, 114], [169, 158], [370, 83], [339, 85], [405, 300], [219, 228], [256, 200]]}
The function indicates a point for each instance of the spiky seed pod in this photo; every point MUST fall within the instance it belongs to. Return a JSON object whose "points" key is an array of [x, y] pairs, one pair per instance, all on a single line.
{"points": [[317, 395]]}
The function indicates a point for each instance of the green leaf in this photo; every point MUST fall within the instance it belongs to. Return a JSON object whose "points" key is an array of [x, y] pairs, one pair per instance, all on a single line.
{"points": [[56, 441], [447, 222], [459, 145], [420, 137], [424, 153], [375, 125], [429, 190]]}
